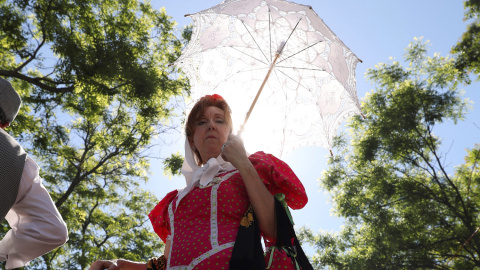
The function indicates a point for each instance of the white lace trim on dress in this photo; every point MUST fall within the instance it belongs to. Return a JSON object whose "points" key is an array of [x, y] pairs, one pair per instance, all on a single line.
{"points": [[213, 225]]}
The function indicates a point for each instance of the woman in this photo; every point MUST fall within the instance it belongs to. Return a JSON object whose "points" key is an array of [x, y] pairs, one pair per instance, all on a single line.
{"points": [[215, 222]]}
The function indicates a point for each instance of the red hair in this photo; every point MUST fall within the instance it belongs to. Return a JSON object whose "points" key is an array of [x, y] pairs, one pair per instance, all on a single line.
{"points": [[197, 112]]}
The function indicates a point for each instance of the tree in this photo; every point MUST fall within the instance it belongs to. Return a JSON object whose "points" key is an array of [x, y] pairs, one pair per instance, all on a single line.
{"points": [[468, 48], [403, 208], [95, 81]]}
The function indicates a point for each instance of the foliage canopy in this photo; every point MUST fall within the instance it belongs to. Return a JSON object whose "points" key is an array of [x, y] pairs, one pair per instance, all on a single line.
{"points": [[95, 81], [468, 48], [403, 208]]}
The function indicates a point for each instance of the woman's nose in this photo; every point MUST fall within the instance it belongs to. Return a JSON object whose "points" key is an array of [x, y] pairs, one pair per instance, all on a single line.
{"points": [[211, 124]]}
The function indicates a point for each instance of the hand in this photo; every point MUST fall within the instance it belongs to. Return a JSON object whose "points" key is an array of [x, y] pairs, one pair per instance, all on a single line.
{"points": [[234, 152], [104, 264]]}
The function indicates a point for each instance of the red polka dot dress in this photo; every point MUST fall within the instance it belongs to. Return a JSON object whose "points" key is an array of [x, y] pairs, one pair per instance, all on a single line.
{"points": [[203, 227]]}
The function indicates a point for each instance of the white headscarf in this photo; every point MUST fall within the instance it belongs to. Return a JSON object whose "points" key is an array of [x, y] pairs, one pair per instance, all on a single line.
{"points": [[203, 174]]}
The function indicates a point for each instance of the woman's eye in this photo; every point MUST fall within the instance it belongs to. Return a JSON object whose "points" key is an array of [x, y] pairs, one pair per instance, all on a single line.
{"points": [[220, 121], [202, 122]]}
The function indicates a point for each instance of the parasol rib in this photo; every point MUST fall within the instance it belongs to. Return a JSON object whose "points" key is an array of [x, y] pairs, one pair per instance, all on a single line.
{"points": [[312, 69], [294, 80], [236, 73], [291, 33], [248, 55], [270, 31], [248, 70], [300, 51], [260, 49], [299, 60]]}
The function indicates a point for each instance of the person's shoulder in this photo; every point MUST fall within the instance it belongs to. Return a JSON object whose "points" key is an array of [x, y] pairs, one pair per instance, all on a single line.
{"points": [[172, 193], [169, 197], [264, 158], [162, 205], [9, 146], [258, 155], [7, 141]]}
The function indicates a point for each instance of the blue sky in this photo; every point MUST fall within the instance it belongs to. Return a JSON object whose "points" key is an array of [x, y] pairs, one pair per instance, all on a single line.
{"points": [[374, 30]]}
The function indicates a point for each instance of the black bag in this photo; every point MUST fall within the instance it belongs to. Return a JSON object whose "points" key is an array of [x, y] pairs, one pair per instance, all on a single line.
{"points": [[248, 252]]}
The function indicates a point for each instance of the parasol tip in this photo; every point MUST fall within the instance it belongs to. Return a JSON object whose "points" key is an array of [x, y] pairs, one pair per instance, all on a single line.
{"points": [[331, 153], [363, 115]]}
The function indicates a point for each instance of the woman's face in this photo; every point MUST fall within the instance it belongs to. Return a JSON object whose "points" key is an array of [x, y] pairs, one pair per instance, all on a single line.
{"points": [[211, 132]]}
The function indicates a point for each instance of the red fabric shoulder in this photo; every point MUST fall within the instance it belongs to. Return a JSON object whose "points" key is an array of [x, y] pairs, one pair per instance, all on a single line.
{"points": [[159, 216], [278, 177]]}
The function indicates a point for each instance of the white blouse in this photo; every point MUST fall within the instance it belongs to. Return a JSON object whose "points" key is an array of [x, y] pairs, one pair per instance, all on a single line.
{"points": [[36, 225]]}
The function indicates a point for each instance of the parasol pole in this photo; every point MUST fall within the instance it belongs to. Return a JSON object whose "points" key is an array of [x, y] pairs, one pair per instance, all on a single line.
{"points": [[277, 55]]}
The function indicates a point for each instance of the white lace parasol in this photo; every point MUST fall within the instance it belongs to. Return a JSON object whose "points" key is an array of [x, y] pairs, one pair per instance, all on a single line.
{"points": [[306, 75]]}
